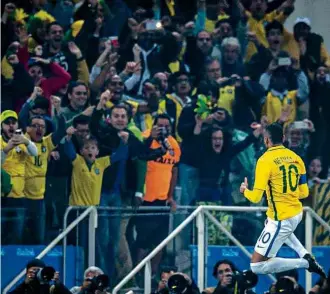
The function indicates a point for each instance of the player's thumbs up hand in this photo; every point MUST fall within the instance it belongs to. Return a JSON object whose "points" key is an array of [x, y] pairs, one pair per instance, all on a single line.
{"points": [[244, 185]]}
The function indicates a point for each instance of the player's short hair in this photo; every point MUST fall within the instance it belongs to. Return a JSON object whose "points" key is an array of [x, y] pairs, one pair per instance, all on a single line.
{"points": [[275, 131]]}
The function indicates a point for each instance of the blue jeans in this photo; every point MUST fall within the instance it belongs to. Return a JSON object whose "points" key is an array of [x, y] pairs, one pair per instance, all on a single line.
{"points": [[107, 233], [36, 221], [12, 220]]}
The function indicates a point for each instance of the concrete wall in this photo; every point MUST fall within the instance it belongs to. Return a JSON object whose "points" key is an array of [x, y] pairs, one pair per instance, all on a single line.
{"points": [[318, 11]]}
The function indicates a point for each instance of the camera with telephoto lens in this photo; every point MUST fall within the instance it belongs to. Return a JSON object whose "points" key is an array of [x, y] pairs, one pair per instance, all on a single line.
{"points": [[100, 283], [246, 280], [178, 284], [45, 275]]}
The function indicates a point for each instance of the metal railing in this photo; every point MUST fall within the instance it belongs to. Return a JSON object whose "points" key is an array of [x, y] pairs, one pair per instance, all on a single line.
{"points": [[199, 214], [92, 212], [124, 211]]}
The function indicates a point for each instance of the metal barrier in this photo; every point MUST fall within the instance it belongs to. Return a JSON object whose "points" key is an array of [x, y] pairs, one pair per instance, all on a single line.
{"points": [[199, 213], [127, 212], [89, 211]]}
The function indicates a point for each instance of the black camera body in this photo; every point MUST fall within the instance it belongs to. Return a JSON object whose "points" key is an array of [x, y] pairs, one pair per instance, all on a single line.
{"points": [[244, 281], [45, 275], [163, 134], [100, 282], [178, 283]]}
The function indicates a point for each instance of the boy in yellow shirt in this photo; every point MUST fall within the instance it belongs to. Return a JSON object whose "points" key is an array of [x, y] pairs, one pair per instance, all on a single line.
{"points": [[280, 173], [87, 173]]}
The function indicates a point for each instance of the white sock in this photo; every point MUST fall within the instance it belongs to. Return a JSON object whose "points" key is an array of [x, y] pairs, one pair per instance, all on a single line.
{"points": [[277, 265], [295, 244]]}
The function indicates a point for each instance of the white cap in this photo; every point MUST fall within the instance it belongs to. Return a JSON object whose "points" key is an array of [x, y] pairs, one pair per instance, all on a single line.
{"points": [[304, 20]]}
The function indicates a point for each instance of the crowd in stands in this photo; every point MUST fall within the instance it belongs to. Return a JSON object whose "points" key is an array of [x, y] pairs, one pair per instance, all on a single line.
{"points": [[114, 103]]}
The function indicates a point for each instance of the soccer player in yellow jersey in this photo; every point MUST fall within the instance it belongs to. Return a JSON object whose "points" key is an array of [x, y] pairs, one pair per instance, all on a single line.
{"points": [[282, 174]]}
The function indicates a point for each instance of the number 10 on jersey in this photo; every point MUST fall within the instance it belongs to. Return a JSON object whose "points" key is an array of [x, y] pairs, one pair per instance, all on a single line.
{"points": [[288, 176]]}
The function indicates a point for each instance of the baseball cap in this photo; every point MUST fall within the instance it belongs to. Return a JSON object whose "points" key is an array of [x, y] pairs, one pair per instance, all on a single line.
{"points": [[8, 114], [304, 20]]}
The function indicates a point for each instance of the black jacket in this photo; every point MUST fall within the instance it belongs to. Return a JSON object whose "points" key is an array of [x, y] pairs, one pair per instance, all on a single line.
{"points": [[211, 164], [36, 288], [109, 141], [186, 127]]}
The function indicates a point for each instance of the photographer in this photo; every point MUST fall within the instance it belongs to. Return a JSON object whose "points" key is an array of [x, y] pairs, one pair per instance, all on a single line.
{"points": [[40, 279], [161, 179], [230, 281], [322, 286], [165, 274], [179, 283], [94, 279]]}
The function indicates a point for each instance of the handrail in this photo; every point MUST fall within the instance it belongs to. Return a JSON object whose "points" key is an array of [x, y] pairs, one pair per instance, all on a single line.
{"points": [[204, 209], [310, 214], [157, 249], [89, 210], [232, 238], [318, 218]]}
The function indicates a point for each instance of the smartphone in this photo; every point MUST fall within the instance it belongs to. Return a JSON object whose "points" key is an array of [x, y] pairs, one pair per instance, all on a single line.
{"points": [[300, 125], [18, 132], [284, 61], [153, 25]]}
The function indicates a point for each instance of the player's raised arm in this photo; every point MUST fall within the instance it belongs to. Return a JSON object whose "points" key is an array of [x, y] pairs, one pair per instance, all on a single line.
{"points": [[261, 179], [303, 187]]}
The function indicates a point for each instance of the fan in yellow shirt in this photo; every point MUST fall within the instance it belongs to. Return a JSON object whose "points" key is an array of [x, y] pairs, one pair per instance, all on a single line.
{"points": [[87, 174], [258, 19], [35, 173], [16, 149], [282, 174]]}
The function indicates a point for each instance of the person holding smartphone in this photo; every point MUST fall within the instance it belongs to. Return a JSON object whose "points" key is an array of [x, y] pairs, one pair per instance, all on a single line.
{"points": [[17, 148]]}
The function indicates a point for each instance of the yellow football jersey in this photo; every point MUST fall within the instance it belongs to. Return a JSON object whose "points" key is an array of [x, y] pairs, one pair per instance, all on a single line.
{"points": [[258, 27], [282, 174], [273, 106], [86, 182], [14, 165], [36, 169]]}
